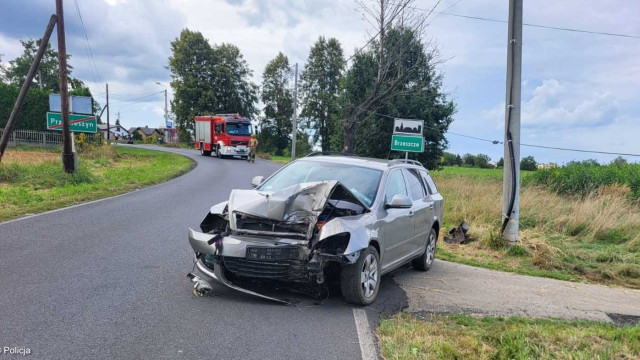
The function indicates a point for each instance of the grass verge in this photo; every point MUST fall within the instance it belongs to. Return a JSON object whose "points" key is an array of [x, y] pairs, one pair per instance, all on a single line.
{"points": [[32, 180], [594, 238], [405, 336]]}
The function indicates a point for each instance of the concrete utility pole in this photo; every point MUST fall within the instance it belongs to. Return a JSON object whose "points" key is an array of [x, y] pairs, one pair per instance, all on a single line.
{"points": [[511, 175], [108, 127], [69, 158], [11, 122], [294, 128], [166, 108]]}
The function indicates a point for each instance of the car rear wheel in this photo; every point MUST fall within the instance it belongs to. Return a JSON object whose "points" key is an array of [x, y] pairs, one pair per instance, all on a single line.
{"points": [[425, 261], [360, 281], [203, 152]]}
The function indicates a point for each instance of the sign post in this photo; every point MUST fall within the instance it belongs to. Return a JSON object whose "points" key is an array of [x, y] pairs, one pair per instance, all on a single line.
{"points": [[407, 136]]}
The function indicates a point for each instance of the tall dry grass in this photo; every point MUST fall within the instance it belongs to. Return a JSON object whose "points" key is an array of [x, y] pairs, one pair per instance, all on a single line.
{"points": [[12, 156]]}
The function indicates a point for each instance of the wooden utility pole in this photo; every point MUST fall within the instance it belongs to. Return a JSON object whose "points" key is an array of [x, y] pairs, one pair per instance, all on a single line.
{"points": [[68, 156], [8, 129], [294, 128], [108, 137], [511, 174]]}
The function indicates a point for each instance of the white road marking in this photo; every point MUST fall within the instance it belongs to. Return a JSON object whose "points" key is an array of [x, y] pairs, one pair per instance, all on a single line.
{"points": [[365, 336]]}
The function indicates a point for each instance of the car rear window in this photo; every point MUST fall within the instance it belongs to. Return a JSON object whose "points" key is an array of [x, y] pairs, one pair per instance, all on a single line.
{"points": [[416, 188]]}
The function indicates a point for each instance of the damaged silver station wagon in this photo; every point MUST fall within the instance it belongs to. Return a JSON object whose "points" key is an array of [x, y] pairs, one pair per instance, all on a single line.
{"points": [[342, 217]]}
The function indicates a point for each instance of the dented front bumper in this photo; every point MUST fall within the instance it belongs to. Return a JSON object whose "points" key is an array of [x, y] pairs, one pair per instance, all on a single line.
{"points": [[230, 254]]}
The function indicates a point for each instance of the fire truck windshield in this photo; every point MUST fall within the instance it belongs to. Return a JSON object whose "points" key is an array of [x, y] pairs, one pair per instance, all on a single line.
{"points": [[238, 129]]}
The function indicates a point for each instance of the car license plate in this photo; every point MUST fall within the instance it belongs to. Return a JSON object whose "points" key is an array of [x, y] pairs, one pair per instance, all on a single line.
{"points": [[271, 253]]}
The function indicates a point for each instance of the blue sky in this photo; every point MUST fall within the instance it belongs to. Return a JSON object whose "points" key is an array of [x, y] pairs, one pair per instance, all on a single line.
{"points": [[578, 91]]}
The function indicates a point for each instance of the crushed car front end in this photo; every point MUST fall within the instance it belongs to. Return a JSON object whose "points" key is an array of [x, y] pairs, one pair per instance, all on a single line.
{"points": [[288, 236]]}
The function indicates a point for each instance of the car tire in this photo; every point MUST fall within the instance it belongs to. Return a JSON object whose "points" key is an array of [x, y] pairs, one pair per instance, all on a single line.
{"points": [[218, 152], [425, 261], [354, 289], [203, 152]]}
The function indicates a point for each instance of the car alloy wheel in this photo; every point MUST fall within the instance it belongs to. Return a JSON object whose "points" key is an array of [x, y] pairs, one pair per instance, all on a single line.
{"points": [[431, 250], [369, 276]]}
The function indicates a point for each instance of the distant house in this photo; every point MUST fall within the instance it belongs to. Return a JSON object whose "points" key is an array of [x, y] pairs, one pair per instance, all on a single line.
{"points": [[146, 132], [547, 166], [493, 164], [116, 131]]}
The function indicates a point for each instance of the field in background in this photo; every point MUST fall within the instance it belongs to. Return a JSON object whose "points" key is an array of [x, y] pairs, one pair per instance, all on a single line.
{"points": [[465, 337], [32, 180], [594, 237]]}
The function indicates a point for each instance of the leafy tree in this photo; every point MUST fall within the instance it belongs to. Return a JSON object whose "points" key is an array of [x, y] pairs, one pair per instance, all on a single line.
{"points": [[449, 159], [458, 160], [48, 70], [207, 80], [278, 102], [500, 162], [33, 113], [320, 82], [420, 96], [528, 164], [619, 161]]}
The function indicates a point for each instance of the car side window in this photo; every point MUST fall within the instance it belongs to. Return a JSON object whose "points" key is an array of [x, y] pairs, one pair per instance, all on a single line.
{"points": [[429, 181], [395, 185], [416, 188], [217, 129]]}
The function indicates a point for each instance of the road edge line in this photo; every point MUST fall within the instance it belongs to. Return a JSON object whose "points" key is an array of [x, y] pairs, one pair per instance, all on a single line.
{"points": [[365, 336]]}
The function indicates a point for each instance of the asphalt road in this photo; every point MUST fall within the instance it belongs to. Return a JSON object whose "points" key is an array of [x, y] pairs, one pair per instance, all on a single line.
{"points": [[107, 280]]}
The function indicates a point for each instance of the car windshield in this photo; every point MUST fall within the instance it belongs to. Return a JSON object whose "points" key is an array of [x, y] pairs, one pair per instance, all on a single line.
{"points": [[362, 182], [238, 129]]}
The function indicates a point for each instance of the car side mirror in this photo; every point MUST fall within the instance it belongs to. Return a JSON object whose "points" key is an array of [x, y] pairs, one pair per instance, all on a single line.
{"points": [[257, 181], [399, 202]]}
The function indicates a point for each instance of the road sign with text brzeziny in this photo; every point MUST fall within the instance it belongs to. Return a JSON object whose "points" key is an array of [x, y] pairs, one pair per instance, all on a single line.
{"points": [[77, 123]]}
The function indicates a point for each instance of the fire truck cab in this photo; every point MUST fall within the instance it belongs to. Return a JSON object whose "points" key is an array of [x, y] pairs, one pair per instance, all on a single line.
{"points": [[225, 134]]}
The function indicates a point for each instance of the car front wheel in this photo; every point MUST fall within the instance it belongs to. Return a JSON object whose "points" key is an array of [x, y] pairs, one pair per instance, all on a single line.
{"points": [[360, 281], [425, 261]]}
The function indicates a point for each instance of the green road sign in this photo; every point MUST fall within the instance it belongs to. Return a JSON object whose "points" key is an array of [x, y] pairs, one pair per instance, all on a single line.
{"points": [[407, 143], [77, 123]]}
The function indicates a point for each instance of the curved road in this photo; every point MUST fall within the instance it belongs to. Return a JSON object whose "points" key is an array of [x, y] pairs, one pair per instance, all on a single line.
{"points": [[107, 280]]}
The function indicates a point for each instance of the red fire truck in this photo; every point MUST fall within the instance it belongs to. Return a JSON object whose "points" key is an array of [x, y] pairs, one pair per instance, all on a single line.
{"points": [[224, 134]]}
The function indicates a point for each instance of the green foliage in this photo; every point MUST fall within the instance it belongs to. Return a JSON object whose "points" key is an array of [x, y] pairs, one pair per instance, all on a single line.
{"points": [[278, 105], [479, 161], [48, 70], [136, 136], [450, 159], [319, 88], [34, 110], [208, 80], [500, 162], [584, 178], [418, 96], [528, 163]]}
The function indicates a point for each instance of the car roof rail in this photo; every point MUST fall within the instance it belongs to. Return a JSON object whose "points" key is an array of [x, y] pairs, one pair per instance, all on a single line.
{"points": [[335, 153], [404, 161]]}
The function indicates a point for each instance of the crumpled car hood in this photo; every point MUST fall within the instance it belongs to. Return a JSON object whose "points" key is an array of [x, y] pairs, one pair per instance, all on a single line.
{"points": [[300, 204]]}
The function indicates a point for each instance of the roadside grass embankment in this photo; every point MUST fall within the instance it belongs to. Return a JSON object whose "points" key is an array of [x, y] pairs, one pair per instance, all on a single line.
{"points": [[406, 336], [32, 180], [578, 233]]}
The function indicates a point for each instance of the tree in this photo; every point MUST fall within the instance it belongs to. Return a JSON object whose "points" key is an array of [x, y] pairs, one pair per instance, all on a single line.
{"points": [[319, 87], [398, 30], [207, 80], [500, 162], [278, 102], [528, 164], [619, 161], [418, 97], [449, 159], [47, 75]]}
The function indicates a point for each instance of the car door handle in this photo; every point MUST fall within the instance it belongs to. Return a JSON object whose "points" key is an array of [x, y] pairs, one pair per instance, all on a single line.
{"points": [[431, 206], [410, 213]]}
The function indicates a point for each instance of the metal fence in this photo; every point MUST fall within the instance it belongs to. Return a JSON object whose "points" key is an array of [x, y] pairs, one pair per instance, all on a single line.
{"points": [[34, 137]]}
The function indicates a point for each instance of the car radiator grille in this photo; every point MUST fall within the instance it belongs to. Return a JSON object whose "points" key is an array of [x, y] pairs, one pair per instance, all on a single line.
{"points": [[278, 270]]}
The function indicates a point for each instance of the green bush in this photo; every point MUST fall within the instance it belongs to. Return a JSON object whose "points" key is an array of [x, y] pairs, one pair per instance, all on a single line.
{"points": [[586, 178]]}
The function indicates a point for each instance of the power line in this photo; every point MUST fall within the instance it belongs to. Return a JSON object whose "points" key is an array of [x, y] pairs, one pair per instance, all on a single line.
{"points": [[531, 25], [496, 142], [90, 52]]}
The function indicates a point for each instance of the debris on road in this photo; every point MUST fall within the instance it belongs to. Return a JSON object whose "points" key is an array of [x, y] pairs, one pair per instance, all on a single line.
{"points": [[458, 235], [201, 287]]}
